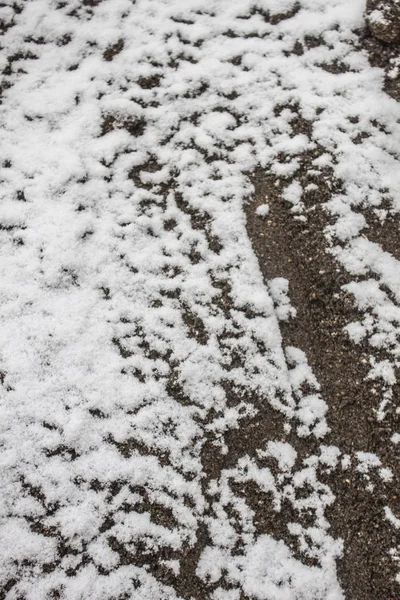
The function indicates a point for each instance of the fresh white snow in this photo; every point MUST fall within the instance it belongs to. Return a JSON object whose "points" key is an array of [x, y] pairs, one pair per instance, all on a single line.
{"points": [[129, 283]]}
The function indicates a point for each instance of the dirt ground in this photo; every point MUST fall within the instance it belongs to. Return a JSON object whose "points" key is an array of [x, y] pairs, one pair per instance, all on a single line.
{"points": [[297, 251]]}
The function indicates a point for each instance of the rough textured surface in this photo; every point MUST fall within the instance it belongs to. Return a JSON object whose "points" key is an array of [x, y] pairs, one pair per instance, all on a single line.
{"points": [[200, 301], [297, 251], [383, 18]]}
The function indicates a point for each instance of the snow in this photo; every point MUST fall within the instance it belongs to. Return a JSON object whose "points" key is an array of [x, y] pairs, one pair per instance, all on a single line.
{"points": [[279, 290], [392, 518], [262, 210], [293, 193], [129, 284], [377, 16]]}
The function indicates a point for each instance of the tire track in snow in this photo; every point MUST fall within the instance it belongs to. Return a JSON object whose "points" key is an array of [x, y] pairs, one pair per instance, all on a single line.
{"points": [[139, 314], [323, 310]]}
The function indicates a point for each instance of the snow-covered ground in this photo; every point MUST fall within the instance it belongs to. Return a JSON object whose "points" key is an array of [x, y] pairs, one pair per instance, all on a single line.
{"points": [[136, 331]]}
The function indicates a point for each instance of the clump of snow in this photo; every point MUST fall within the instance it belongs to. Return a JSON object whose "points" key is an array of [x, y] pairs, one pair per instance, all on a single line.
{"points": [[393, 72], [346, 462], [395, 521], [367, 461], [386, 474], [396, 438], [310, 406], [324, 160], [293, 193], [377, 16], [384, 370], [262, 210], [279, 290]]}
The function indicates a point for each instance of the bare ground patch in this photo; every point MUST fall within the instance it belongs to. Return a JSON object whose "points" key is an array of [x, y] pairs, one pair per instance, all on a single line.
{"points": [[296, 250]]}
